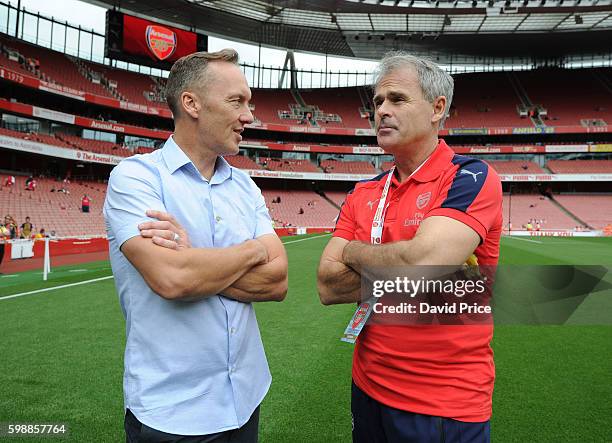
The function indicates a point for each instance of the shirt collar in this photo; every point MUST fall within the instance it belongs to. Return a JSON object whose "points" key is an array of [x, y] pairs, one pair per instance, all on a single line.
{"points": [[176, 158], [435, 164], [223, 171]]}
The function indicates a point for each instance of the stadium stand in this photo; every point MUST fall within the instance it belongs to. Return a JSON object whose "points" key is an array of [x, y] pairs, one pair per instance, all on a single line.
{"points": [[300, 208], [343, 102], [385, 166], [143, 150], [535, 207], [347, 167], [17, 134], [580, 166], [50, 140], [268, 104], [483, 100], [131, 86], [98, 146], [56, 211], [275, 164], [53, 67], [337, 197], [595, 210], [242, 162], [583, 98], [516, 167], [73, 141]]}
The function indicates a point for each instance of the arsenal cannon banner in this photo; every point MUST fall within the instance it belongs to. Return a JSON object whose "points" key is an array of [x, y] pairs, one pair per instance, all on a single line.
{"points": [[136, 40]]}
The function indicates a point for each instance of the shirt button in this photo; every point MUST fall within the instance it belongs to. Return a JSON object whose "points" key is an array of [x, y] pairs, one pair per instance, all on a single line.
{"points": [[232, 369], [218, 218], [232, 330]]}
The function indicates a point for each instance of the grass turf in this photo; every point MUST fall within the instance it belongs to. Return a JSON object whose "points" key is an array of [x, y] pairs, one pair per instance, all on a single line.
{"points": [[62, 354]]}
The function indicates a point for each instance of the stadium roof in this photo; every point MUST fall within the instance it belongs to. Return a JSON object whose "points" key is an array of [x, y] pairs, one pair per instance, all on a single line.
{"points": [[369, 28]]}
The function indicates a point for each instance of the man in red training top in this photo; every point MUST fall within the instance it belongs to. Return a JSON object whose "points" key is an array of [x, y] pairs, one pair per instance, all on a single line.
{"points": [[426, 382], [85, 203]]}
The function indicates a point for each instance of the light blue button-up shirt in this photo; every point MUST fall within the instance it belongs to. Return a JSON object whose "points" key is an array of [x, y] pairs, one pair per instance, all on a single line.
{"points": [[191, 368]]}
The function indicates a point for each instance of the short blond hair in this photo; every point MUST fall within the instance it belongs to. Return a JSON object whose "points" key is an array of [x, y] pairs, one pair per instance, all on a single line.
{"points": [[190, 70]]}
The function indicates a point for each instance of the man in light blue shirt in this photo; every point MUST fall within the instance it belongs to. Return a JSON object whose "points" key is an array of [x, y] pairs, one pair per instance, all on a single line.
{"points": [[195, 367]]}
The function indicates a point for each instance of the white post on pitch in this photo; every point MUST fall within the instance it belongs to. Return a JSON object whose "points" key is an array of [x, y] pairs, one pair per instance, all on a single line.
{"points": [[47, 263]]}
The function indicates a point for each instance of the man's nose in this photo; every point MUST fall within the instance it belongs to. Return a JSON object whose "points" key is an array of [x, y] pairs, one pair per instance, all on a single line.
{"points": [[247, 117]]}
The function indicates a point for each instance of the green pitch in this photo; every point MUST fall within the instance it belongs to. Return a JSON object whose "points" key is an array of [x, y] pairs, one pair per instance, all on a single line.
{"points": [[62, 357]]}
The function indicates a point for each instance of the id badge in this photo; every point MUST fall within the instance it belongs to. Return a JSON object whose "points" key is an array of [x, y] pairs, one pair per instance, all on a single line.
{"points": [[358, 321]]}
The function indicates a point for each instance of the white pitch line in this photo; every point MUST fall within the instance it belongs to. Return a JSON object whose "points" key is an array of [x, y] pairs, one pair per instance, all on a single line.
{"points": [[304, 239], [525, 239], [110, 276], [55, 287]]}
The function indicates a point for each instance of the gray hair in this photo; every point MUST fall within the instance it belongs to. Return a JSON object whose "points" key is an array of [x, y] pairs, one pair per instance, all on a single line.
{"points": [[434, 81], [190, 71]]}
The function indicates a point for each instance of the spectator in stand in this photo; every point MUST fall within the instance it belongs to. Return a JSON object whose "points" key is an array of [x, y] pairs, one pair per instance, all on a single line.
{"points": [[40, 234], [65, 184], [10, 181], [30, 184], [9, 223], [85, 203], [33, 65], [26, 228], [4, 235]]}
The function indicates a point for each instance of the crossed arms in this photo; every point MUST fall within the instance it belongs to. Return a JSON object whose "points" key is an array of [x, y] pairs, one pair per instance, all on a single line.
{"points": [[255, 270], [439, 241]]}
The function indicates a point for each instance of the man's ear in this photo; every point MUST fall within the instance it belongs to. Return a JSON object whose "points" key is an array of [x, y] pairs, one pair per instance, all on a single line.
{"points": [[190, 104], [439, 107]]}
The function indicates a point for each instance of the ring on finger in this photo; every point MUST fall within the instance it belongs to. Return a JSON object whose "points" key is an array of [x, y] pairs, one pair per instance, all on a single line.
{"points": [[176, 237]]}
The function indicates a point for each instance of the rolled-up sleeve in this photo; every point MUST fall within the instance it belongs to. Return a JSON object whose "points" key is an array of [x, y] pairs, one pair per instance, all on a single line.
{"points": [[133, 187], [263, 221]]}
